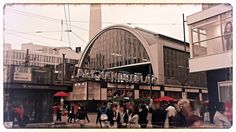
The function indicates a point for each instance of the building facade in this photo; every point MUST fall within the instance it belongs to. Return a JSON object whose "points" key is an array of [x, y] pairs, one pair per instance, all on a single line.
{"points": [[38, 55], [211, 44], [124, 60], [31, 88]]}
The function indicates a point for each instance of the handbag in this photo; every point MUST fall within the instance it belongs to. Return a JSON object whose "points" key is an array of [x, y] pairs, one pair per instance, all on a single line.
{"points": [[103, 117]]}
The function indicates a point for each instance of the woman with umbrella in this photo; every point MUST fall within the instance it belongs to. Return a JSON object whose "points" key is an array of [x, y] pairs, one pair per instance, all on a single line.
{"points": [[59, 107]]}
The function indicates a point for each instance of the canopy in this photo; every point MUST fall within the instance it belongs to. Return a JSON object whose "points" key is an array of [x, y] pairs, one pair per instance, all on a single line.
{"points": [[164, 98], [61, 94]]}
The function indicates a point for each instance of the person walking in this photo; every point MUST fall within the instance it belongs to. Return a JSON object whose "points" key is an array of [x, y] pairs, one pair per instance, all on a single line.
{"points": [[184, 109], [123, 118], [158, 116], [113, 115], [82, 115], [75, 110], [143, 113], [220, 120], [171, 111], [58, 112], [20, 116], [102, 116], [133, 119], [70, 114]]}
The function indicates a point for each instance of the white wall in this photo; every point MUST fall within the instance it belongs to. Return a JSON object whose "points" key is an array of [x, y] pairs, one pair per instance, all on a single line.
{"points": [[211, 62]]}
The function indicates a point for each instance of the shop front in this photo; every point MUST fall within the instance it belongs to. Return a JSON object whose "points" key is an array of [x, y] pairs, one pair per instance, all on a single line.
{"points": [[36, 100]]}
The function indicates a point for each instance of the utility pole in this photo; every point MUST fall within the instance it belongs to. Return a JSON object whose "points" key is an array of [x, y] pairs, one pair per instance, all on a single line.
{"points": [[185, 54], [150, 70], [27, 58], [63, 69]]}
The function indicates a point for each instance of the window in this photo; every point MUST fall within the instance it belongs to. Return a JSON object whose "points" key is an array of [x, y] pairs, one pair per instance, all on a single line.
{"points": [[225, 91], [212, 35]]}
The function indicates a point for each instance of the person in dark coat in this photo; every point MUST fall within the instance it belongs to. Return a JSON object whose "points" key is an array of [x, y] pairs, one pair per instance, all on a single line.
{"points": [[123, 117], [158, 116], [184, 110], [102, 115], [58, 112], [113, 115], [82, 115], [143, 113]]}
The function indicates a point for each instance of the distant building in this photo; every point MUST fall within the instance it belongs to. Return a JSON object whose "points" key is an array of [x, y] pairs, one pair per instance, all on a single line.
{"points": [[39, 55], [211, 44], [95, 22]]}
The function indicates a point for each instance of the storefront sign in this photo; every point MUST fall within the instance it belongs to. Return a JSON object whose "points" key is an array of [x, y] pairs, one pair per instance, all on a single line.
{"points": [[111, 76], [22, 74]]}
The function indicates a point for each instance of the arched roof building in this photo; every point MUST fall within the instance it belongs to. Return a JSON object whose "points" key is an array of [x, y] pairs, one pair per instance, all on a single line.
{"points": [[129, 55], [121, 47]]}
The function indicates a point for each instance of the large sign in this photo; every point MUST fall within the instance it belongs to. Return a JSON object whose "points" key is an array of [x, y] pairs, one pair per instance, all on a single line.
{"points": [[111, 76], [22, 74]]}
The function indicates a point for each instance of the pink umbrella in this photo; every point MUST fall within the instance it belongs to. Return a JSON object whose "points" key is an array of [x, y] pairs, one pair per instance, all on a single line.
{"points": [[61, 94], [164, 98]]}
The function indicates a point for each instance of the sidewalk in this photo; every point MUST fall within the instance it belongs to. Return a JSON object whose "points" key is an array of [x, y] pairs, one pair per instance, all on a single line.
{"points": [[92, 124]]}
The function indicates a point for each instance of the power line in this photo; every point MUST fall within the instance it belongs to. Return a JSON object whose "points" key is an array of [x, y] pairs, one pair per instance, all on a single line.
{"points": [[79, 37], [68, 32], [105, 22], [69, 15], [42, 17], [26, 38], [9, 30]]}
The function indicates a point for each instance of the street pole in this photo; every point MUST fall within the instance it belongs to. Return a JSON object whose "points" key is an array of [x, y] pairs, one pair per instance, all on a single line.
{"points": [[27, 58], [185, 53], [63, 69], [150, 80]]}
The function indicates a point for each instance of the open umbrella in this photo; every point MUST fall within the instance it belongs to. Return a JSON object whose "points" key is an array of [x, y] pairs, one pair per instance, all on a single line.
{"points": [[164, 98], [61, 94]]}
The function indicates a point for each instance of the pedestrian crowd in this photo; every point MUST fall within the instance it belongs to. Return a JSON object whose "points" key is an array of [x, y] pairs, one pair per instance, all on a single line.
{"points": [[131, 115], [162, 114]]}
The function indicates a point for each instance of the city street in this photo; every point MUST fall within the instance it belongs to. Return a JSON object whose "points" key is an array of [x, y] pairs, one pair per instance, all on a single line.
{"points": [[79, 59], [92, 124]]}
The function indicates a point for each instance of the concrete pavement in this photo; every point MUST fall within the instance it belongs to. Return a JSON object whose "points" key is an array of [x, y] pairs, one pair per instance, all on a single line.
{"points": [[92, 124]]}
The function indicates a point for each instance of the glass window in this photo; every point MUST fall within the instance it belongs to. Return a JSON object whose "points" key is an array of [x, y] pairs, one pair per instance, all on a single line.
{"points": [[113, 48], [213, 35]]}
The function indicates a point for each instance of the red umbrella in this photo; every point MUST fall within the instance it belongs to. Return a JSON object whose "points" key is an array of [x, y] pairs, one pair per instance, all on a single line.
{"points": [[61, 94], [164, 98]]}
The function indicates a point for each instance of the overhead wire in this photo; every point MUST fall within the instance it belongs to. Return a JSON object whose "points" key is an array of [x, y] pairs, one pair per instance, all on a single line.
{"points": [[106, 22], [9, 30], [68, 31], [43, 17]]}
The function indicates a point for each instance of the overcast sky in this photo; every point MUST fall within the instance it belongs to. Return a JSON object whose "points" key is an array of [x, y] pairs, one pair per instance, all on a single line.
{"points": [[41, 24]]}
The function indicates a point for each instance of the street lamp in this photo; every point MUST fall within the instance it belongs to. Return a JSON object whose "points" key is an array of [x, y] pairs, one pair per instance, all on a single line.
{"points": [[63, 62]]}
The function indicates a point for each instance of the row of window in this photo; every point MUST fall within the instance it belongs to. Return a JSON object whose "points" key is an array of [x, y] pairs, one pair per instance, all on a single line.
{"points": [[175, 71], [212, 35], [33, 63], [34, 58], [115, 47]]}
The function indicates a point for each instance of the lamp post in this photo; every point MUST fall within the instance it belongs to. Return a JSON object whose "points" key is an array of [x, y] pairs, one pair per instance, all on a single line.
{"points": [[150, 70], [185, 53], [63, 63], [63, 69]]}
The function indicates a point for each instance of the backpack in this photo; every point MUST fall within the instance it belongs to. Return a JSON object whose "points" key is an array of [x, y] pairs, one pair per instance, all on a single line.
{"points": [[103, 116]]}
